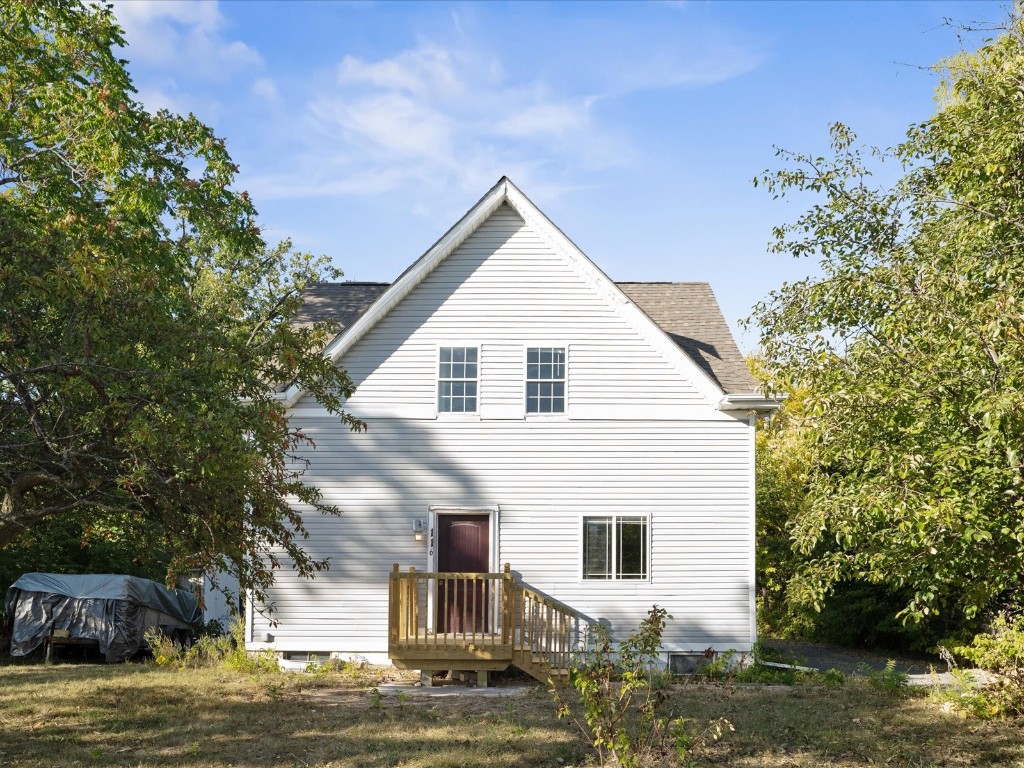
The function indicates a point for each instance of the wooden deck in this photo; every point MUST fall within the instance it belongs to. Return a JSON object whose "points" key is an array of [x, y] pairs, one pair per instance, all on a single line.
{"points": [[479, 621]]}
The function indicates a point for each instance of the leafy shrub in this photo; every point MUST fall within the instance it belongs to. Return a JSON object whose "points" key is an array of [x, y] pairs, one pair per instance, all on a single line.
{"points": [[887, 680], [732, 668], [356, 670], [210, 650], [999, 651], [962, 694], [621, 693]]}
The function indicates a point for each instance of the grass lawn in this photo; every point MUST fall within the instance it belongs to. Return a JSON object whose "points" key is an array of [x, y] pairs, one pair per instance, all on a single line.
{"points": [[142, 715]]}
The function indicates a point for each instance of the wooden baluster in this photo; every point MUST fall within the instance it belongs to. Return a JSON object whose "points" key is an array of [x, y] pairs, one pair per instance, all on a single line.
{"points": [[566, 640], [533, 625], [561, 641], [521, 627], [526, 620], [551, 629], [467, 586], [538, 627], [546, 630], [556, 641], [476, 583], [521, 617], [470, 606], [440, 610]]}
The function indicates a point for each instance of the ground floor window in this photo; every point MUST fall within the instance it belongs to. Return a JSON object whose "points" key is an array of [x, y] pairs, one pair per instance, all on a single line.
{"points": [[615, 547]]}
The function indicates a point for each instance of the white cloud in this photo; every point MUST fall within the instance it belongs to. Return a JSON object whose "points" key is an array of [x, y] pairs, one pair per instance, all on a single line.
{"points": [[156, 99], [548, 120], [701, 65], [388, 125], [447, 119], [266, 90], [436, 116], [184, 34], [423, 71]]}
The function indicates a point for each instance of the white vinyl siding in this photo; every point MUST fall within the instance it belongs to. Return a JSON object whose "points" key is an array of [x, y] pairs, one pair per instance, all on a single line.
{"points": [[691, 478]]}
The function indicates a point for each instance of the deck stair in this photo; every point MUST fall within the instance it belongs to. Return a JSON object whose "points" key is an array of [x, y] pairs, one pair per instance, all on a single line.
{"points": [[479, 621]]}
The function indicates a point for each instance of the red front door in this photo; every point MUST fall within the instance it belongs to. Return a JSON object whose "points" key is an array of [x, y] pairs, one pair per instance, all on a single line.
{"points": [[463, 547]]}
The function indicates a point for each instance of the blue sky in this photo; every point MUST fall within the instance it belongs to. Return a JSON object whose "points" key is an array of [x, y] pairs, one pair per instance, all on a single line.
{"points": [[363, 130]]}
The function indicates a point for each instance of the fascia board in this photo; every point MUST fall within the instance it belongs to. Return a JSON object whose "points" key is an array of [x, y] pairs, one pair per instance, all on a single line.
{"points": [[412, 277]]}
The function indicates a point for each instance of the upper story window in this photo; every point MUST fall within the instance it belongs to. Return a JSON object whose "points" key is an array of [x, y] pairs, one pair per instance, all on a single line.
{"points": [[545, 380], [615, 547], [457, 380]]}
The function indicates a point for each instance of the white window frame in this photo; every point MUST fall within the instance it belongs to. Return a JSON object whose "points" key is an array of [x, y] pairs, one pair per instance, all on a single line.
{"points": [[616, 578], [564, 413], [474, 414]]}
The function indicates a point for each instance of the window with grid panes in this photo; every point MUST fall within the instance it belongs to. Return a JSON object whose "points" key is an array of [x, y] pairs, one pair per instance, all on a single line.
{"points": [[457, 380], [615, 547], [545, 380]]}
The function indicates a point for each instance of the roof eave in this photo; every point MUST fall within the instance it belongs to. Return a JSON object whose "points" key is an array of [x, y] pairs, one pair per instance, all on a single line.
{"points": [[408, 280]]}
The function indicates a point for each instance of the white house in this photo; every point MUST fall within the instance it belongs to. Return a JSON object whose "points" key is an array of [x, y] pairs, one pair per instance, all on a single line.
{"points": [[522, 408]]}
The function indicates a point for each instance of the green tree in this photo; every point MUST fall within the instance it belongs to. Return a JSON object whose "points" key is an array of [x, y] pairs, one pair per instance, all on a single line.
{"points": [[68, 544], [782, 461], [910, 346], [143, 321], [856, 613]]}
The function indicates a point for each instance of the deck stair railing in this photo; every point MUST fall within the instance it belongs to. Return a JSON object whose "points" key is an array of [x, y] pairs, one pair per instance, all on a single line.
{"points": [[479, 621]]}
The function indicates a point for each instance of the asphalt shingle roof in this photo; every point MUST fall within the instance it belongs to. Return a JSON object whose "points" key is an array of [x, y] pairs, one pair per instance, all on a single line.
{"points": [[690, 315], [341, 303], [687, 312]]}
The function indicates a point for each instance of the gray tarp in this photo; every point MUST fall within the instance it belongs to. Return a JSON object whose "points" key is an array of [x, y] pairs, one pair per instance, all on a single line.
{"points": [[114, 610]]}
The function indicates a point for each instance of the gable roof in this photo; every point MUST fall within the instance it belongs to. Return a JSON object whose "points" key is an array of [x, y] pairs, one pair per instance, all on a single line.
{"points": [[506, 193], [687, 312]]}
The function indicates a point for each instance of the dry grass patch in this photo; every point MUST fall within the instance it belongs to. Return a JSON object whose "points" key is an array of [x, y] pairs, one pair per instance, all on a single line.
{"points": [[145, 716], [847, 726]]}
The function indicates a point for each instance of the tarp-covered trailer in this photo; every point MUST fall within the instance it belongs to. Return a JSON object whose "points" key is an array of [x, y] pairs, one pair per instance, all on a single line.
{"points": [[113, 610]]}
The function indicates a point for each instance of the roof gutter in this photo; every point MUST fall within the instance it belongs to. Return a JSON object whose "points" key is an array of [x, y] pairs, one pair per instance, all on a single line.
{"points": [[749, 402]]}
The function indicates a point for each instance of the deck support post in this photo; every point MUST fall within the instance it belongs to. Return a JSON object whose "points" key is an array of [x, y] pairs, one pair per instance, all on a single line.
{"points": [[481, 678], [506, 605], [427, 678], [394, 600]]}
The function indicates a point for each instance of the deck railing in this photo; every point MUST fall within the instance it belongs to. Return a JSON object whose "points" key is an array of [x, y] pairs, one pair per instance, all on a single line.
{"points": [[457, 617], [448, 610], [546, 632]]}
